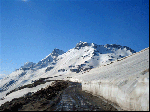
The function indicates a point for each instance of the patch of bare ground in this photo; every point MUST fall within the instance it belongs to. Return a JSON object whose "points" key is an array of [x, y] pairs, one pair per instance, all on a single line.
{"points": [[41, 100]]}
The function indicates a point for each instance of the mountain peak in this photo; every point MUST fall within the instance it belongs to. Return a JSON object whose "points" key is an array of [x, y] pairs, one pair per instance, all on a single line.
{"points": [[57, 52], [50, 58], [83, 44]]}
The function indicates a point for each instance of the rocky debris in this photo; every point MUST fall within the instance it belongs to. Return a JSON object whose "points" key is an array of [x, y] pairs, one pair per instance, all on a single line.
{"points": [[34, 84], [42, 99], [61, 70], [75, 70], [69, 77], [81, 67], [86, 62], [70, 66], [53, 63], [85, 69], [48, 69], [40, 81], [110, 59]]}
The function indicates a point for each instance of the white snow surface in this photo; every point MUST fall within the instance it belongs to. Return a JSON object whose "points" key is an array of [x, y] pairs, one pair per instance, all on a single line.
{"points": [[124, 82], [117, 73]]}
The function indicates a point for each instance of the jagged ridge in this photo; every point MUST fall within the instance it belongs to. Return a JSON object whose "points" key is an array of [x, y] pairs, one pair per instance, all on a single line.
{"points": [[84, 57]]}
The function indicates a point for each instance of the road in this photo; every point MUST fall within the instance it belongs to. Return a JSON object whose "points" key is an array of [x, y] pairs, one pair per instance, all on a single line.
{"points": [[74, 99]]}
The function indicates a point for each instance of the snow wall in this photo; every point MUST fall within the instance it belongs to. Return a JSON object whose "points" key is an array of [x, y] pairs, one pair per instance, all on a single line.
{"points": [[135, 97]]}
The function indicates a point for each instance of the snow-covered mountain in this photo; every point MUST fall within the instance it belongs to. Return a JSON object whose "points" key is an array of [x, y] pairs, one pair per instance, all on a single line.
{"points": [[81, 58], [51, 59], [76, 63]]}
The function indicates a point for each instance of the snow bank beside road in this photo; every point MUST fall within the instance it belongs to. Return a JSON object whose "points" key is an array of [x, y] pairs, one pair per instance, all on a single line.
{"points": [[136, 97], [124, 82]]}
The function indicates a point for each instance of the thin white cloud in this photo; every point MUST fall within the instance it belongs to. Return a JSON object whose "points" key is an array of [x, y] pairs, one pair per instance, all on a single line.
{"points": [[24, 0]]}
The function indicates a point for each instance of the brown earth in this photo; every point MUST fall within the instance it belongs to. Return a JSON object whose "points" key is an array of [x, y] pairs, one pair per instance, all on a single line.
{"points": [[34, 101]]}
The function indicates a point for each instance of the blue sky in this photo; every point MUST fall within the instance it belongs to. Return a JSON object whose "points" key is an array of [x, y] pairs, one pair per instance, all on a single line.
{"points": [[31, 29]]}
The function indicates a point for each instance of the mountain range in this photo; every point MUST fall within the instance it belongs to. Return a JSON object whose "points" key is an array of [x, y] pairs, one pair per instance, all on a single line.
{"points": [[82, 57], [78, 61]]}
